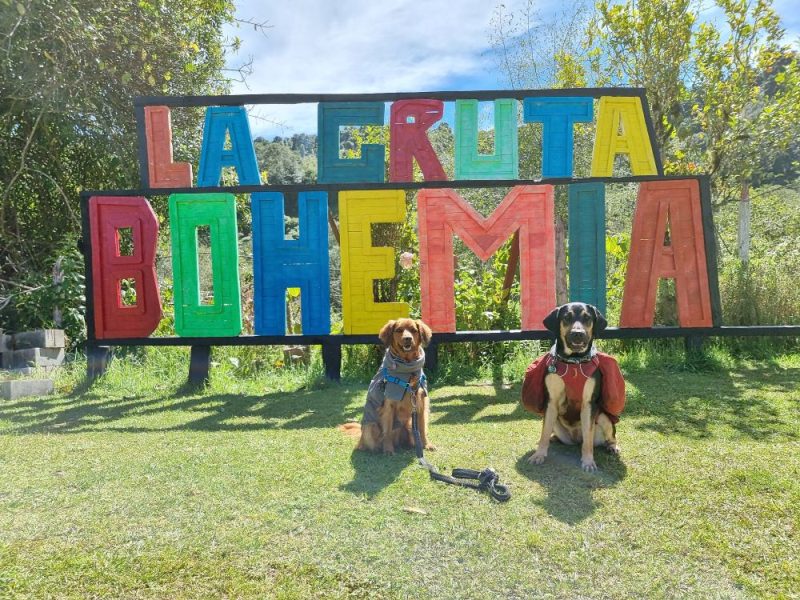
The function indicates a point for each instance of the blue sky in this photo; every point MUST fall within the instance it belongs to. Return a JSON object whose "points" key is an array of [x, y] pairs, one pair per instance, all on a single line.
{"points": [[355, 46]]}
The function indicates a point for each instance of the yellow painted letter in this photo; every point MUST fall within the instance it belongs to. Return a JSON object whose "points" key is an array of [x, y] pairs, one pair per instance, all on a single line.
{"points": [[362, 263], [621, 129]]}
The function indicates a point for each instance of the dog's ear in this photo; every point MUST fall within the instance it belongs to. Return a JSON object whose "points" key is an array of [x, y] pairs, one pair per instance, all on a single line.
{"points": [[600, 322], [386, 333], [551, 321], [425, 333]]}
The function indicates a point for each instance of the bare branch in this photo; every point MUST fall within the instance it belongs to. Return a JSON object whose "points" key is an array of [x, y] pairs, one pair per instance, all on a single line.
{"points": [[243, 71], [20, 169], [75, 220], [259, 26]]}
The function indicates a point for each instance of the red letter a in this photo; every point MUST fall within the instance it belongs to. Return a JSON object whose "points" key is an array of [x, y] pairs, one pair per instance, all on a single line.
{"points": [[663, 206]]}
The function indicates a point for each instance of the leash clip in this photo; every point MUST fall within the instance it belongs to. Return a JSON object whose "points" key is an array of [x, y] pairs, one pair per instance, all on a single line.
{"points": [[488, 476]]}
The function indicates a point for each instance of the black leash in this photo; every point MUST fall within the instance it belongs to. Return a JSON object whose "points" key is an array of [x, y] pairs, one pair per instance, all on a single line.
{"points": [[488, 479]]}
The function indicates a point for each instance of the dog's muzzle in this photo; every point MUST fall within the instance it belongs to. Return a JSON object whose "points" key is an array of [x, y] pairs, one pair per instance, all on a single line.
{"points": [[577, 340]]}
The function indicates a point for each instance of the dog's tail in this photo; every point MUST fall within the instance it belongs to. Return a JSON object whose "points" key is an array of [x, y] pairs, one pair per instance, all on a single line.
{"points": [[352, 428]]}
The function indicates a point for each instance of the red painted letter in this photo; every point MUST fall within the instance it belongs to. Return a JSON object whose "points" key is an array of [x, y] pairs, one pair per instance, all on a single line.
{"points": [[410, 120], [443, 213], [109, 216], [163, 172], [663, 206]]}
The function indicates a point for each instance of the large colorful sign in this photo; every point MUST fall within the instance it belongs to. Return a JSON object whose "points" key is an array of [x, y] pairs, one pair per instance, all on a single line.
{"points": [[679, 206]]}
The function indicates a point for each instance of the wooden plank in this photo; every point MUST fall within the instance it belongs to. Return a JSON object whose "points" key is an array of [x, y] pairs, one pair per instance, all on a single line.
{"points": [[332, 359], [97, 359], [710, 237], [617, 333], [244, 99], [395, 185], [199, 365]]}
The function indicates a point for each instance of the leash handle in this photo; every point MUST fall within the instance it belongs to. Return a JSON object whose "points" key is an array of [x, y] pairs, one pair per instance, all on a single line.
{"points": [[488, 479], [466, 473]]}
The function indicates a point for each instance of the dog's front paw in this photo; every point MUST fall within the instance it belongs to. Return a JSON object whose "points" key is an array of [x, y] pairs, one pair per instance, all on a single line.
{"points": [[388, 450], [613, 448], [537, 458], [588, 465], [430, 446]]}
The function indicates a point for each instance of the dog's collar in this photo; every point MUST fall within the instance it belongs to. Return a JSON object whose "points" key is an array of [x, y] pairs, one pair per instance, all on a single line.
{"points": [[396, 364], [571, 360]]}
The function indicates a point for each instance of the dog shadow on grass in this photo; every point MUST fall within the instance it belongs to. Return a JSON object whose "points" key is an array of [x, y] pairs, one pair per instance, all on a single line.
{"points": [[570, 491], [373, 471]]}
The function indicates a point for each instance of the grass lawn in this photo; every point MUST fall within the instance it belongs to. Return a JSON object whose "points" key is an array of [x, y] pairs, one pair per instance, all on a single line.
{"points": [[135, 489]]}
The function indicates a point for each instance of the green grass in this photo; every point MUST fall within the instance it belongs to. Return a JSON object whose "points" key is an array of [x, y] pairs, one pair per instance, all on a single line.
{"points": [[136, 488]]}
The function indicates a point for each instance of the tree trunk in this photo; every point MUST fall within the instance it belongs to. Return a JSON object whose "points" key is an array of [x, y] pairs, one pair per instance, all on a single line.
{"points": [[511, 270], [58, 279], [334, 227], [744, 224], [562, 296]]}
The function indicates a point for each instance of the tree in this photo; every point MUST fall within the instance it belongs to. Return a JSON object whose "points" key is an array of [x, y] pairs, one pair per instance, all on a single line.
{"points": [[645, 44], [744, 123], [69, 70], [68, 75], [535, 52], [280, 163], [542, 53], [724, 100]]}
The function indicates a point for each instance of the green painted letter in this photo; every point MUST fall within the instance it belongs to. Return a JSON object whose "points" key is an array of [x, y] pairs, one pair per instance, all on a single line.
{"points": [[504, 162], [203, 223]]}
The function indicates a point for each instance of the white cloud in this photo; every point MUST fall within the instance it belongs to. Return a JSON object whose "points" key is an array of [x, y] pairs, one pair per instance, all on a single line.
{"points": [[357, 46]]}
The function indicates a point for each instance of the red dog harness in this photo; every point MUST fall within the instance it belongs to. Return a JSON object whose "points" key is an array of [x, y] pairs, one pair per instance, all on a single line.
{"points": [[574, 376]]}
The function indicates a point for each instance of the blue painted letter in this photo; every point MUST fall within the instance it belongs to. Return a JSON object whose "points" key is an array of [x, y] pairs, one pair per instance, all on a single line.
{"points": [[213, 155], [279, 263], [558, 116]]}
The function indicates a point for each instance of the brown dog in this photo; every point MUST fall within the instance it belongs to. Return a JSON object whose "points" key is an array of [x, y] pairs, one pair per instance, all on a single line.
{"points": [[398, 388], [583, 392]]}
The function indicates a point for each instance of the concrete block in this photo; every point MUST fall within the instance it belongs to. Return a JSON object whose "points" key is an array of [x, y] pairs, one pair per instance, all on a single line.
{"points": [[32, 370], [22, 388], [41, 338], [33, 357]]}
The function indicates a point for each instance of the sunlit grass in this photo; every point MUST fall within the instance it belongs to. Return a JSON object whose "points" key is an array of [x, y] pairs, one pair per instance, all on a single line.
{"points": [[139, 488]]}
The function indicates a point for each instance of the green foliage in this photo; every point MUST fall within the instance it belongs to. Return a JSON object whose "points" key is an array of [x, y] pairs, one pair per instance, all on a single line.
{"points": [[617, 250], [286, 161], [52, 299], [725, 99], [764, 291], [69, 73], [645, 44], [743, 123]]}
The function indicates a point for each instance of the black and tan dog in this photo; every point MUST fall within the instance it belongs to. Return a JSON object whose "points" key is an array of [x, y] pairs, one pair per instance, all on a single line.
{"points": [[398, 387], [579, 391]]}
